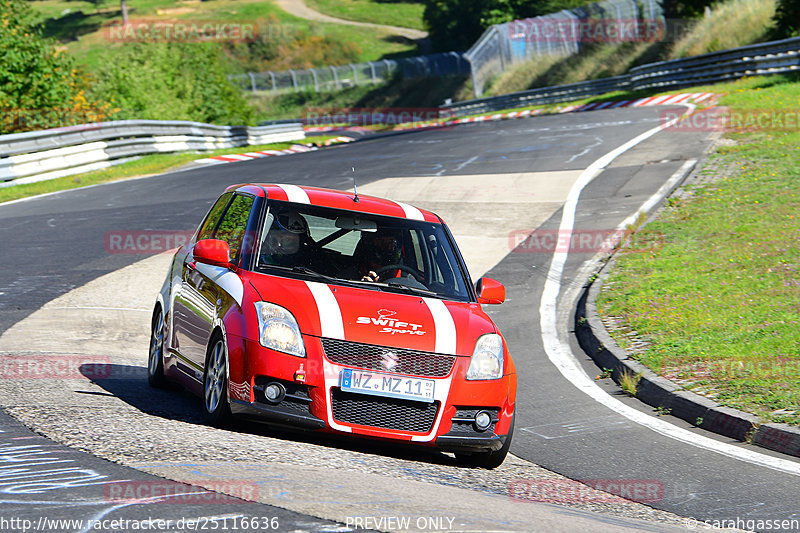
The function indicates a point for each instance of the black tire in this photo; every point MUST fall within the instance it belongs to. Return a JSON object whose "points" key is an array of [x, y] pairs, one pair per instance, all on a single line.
{"points": [[491, 459], [216, 409], [155, 357]]}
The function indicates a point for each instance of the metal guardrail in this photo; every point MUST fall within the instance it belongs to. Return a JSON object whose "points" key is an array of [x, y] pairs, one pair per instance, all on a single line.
{"points": [[41, 155], [775, 57]]}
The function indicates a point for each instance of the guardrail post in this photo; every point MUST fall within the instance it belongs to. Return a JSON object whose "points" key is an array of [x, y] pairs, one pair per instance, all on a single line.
{"points": [[388, 68], [335, 78], [314, 75], [355, 73], [294, 79], [252, 81], [372, 70], [272, 78]]}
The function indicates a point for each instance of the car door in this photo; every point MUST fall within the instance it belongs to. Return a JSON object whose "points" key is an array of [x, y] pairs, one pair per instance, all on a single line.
{"points": [[200, 296]]}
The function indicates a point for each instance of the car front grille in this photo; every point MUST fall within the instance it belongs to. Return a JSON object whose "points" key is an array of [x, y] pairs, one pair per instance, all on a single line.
{"points": [[377, 411], [386, 359]]}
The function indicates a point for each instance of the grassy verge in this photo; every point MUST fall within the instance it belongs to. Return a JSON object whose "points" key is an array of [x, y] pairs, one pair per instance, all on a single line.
{"points": [[81, 26], [717, 305], [144, 166], [730, 24], [402, 14], [401, 93]]}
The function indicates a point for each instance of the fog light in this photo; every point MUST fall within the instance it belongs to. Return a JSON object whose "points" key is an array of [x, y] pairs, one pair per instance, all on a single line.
{"points": [[483, 420], [274, 392]]}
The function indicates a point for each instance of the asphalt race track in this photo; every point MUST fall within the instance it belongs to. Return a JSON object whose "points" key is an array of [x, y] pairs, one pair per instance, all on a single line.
{"points": [[52, 246]]}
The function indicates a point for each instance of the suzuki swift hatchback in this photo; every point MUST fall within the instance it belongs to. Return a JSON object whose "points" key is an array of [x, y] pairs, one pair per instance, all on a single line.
{"points": [[328, 311]]}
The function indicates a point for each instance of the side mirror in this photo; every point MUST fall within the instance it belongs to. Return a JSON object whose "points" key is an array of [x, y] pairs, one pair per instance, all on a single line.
{"points": [[212, 252], [490, 291]]}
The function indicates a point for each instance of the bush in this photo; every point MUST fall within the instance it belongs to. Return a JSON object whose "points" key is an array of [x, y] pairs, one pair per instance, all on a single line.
{"points": [[787, 19], [457, 24], [39, 86], [171, 81]]}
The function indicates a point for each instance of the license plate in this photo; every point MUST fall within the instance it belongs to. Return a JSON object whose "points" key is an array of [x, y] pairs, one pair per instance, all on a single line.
{"points": [[389, 385]]}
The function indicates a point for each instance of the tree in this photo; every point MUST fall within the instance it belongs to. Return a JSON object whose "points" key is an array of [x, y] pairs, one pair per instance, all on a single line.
{"points": [[457, 24], [787, 19], [38, 85]]}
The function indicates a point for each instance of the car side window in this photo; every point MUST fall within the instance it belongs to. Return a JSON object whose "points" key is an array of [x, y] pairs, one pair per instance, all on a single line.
{"points": [[232, 227], [207, 230]]}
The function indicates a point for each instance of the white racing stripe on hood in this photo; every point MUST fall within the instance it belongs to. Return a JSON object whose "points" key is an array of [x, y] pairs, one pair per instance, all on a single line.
{"points": [[445, 326], [411, 211], [330, 316], [295, 194]]}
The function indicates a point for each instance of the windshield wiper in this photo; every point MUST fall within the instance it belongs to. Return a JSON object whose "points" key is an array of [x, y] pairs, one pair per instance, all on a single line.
{"points": [[406, 288], [304, 270]]}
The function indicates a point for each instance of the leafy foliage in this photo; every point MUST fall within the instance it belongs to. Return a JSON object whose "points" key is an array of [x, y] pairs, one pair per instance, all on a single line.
{"points": [[284, 46], [173, 81], [39, 86], [787, 18], [457, 24]]}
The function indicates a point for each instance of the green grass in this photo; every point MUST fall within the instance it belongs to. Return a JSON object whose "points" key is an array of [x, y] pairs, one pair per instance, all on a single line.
{"points": [[403, 14], [80, 26], [718, 302], [730, 24], [144, 166], [595, 61], [402, 93]]}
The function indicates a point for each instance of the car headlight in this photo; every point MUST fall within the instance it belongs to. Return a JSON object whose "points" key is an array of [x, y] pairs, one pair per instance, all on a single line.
{"points": [[487, 359], [278, 329]]}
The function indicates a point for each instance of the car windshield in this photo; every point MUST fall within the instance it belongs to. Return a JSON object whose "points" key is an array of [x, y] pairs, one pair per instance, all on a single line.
{"points": [[352, 248]]}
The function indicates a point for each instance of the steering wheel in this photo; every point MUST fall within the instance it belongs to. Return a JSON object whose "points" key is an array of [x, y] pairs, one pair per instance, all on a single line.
{"points": [[403, 268]]}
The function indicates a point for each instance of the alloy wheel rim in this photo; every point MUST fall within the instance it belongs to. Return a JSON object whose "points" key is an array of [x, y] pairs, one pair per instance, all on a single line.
{"points": [[215, 377], [156, 343]]}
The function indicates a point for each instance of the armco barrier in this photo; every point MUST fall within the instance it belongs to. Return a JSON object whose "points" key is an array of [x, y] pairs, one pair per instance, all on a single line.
{"points": [[762, 59], [48, 154]]}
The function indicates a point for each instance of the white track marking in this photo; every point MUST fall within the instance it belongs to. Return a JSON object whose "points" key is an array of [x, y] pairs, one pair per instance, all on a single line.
{"points": [[565, 361]]}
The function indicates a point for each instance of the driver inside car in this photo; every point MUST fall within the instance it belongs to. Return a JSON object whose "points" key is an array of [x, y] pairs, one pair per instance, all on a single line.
{"points": [[377, 250], [287, 240]]}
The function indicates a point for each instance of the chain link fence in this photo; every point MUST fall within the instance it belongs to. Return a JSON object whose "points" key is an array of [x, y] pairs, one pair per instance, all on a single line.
{"points": [[563, 34], [333, 78]]}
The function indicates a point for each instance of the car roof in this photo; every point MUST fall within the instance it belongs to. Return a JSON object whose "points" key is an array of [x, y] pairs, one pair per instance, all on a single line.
{"points": [[336, 199]]}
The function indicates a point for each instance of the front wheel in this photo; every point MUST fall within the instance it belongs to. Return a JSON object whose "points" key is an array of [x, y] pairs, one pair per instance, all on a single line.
{"points": [[490, 459], [216, 409], [155, 358]]}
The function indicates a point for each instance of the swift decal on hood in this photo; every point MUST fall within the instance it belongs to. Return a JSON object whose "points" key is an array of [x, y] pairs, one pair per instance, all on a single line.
{"points": [[390, 324]]}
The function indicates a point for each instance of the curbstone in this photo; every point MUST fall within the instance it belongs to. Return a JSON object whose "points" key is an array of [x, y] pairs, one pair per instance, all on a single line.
{"points": [[779, 437], [657, 391]]}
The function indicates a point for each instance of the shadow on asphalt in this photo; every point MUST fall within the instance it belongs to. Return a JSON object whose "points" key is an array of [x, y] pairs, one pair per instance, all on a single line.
{"points": [[129, 384]]}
